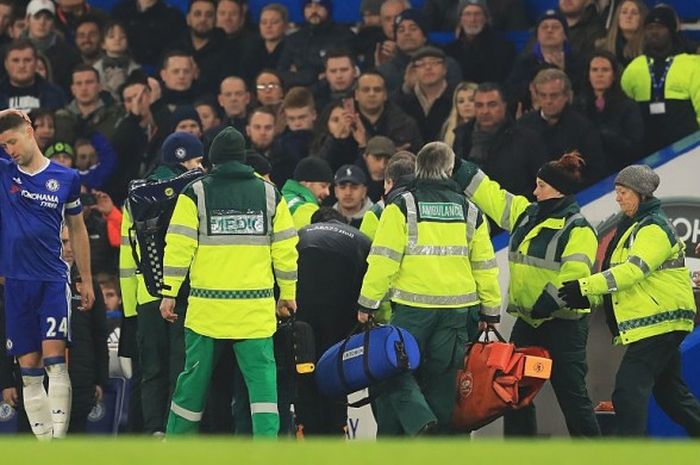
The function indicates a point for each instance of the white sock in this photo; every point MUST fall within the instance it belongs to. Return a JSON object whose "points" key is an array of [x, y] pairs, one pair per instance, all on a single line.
{"points": [[36, 403], [60, 394]]}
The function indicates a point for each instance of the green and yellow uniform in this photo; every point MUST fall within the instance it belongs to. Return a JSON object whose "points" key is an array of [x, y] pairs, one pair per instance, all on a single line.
{"points": [[433, 257], [550, 243], [302, 202], [233, 233], [650, 307]]}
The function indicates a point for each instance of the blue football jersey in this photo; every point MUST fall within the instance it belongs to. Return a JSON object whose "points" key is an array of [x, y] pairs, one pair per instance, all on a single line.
{"points": [[33, 209]]}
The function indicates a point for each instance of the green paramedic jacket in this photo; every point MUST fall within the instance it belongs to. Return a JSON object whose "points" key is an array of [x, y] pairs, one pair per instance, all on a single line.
{"points": [[647, 279], [302, 202], [543, 253], [234, 234], [432, 249]]}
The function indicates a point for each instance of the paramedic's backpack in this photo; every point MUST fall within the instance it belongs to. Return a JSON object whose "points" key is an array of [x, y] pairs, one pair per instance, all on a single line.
{"points": [[151, 204]]}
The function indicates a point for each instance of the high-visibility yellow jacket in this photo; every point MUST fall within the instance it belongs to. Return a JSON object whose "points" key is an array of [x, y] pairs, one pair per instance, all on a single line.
{"points": [[234, 234], [646, 278], [302, 202], [432, 250], [133, 287], [543, 252], [370, 221]]}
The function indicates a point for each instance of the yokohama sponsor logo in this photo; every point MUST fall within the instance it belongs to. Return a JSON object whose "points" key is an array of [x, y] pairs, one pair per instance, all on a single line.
{"points": [[42, 197]]}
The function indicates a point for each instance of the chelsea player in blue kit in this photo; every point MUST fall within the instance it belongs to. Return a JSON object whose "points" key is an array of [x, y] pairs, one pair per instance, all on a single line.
{"points": [[36, 197]]}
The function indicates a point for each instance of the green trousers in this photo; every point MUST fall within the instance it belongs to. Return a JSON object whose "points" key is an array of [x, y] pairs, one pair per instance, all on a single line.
{"points": [[256, 360], [161, 349], [407, 403], [566, 342]]}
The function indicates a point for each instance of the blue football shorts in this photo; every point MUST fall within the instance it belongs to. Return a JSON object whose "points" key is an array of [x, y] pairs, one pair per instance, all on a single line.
{"points": [[35, 311]]}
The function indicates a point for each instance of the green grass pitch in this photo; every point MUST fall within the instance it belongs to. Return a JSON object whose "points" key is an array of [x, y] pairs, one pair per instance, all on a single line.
{"points": [[229, 450]]}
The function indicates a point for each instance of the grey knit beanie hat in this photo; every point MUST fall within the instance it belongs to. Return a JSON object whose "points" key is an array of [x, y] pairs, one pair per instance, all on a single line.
{"points": [[640, 178]]}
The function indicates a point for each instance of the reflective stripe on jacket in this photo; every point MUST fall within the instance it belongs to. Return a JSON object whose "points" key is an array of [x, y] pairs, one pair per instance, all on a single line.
{"points": [[235, 235], [432, 249], [543, 253], [647, 280]]}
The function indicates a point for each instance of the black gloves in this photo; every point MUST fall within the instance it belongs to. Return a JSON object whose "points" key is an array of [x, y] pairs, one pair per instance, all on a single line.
{"points": [[570, 292], [540, 312], [490, 319]]}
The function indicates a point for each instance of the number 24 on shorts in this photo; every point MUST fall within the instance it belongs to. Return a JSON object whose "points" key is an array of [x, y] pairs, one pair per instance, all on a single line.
{"points": [[55, 327]]}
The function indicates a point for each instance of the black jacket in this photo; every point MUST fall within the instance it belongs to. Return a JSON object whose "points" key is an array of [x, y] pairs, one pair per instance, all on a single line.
{"points": [[620, 125], [488, 57], [397, 126], [337, 152], [513, 159], [213, 60], [304, 50], [287, 150], [332, 263], [149, 32], [41, 94], [573, 131], [89, 359], [586, 31], [430, 124]]}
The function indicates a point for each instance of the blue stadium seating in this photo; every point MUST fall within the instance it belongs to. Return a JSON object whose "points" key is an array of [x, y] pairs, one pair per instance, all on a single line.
{"points": [[105, 418], [8, 419], [659, 425], [296, 14], [535, 8], [688, 10]]}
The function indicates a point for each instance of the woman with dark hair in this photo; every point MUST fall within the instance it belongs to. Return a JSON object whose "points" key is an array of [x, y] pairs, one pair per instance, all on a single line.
{"points": [[338, 136], [616, 116], [550, 243]]}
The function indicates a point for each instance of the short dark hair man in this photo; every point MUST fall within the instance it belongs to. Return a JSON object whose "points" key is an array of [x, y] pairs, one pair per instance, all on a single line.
{"points": [[350, 188], [23, 88]]}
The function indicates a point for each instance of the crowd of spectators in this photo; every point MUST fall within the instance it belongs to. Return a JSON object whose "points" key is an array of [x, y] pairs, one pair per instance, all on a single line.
{"points": [[614, 80]]}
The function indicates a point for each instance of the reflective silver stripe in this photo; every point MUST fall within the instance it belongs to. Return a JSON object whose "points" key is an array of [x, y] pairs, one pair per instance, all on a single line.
{"points": [[284, 234], [198, 189], [639, 263], [490, 311], [270, 198], [678, 262], [368, 303], [124, 240], [411, 218], [474, 183], [551, 252], [175, 271], [188, 415], [553, 292], [505, 217], [456, 300], [438, 250], [386, 252], [127, 272], [472, 216], [263, 407], [234, 240], [288, 275], [183, 231], [610, 280], [74, 204], [485, 264], [517, 257], [578, 257]]}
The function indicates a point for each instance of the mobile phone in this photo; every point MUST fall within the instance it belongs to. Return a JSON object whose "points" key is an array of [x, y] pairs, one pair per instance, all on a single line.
{"points": [[88, 199], [349, 105]]}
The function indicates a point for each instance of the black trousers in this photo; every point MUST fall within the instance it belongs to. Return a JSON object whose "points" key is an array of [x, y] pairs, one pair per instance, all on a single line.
{"points": [[654, 365], [566, 342]]}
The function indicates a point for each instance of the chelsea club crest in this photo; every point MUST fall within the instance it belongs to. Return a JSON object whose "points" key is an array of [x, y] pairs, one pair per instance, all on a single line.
{"points": [[52, 185]]}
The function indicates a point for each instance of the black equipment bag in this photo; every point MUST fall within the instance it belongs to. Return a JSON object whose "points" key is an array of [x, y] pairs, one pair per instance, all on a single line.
{"points": [[151, 205], [295, 347]]}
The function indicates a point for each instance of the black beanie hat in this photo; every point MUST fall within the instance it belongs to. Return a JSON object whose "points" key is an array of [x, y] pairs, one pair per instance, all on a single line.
{"points": [[413, 15], [313, 169], [185, 112], [259, 163], [228, 145], [664, 15], [559, 178]]}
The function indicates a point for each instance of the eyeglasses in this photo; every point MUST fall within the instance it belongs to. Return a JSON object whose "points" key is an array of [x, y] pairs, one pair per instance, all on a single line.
{"points": [[268, 86]]}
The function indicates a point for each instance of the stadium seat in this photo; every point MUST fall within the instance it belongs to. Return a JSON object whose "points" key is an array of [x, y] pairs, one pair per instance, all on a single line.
{"points": [[296, 14], [518, 38], [535, 8], [347, 11], [688, 10], [104, 5], [105, 417], [182, 5], [658, 424], [441, 38]]}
